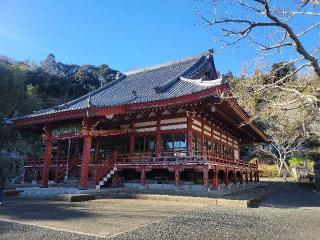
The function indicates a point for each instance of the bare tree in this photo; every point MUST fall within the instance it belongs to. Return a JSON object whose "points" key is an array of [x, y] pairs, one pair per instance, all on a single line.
{"points": [[287, 140], [271, 27], [286, 101], [286, 119]]}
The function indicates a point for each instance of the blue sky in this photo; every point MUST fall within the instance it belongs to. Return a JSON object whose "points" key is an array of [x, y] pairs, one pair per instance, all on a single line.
{"points": [[123, 34]]}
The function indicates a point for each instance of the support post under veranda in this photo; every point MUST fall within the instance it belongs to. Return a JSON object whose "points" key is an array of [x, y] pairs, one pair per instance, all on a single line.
{"points": [[47, 138]]}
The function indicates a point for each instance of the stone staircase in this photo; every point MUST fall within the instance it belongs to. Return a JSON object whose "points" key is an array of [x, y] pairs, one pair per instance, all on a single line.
{"points": [[107, 177]]}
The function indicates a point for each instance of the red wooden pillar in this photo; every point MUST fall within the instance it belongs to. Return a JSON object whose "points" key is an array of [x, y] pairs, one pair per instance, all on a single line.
{"points": [[47, 155], [143, 177], [241, 176], [158, 135], [226, 180], [132, 137], [132, 143], [205, 178], [214, 182], [189, 126], [202, 139], [235, 176], [247, 179], [177, 177], [56, 177], [251, 176], [87, 139]]}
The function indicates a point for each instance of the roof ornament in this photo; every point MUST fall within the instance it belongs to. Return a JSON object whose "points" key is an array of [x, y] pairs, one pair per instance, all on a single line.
{"points": [[60, 107], [118, 75], [210, 53], [224, 79], [89, 102]]}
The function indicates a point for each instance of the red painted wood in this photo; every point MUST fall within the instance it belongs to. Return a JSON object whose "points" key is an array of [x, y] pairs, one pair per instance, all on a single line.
{"points": [[50, 118], [177, 177], [121, 109], [132, 136], [56, 177], [65, 136], [189, 126], [202, 136], [158, 135], [85, 162], [47, 159], [215, 177], [226, 179], [205, 177], [247, 178]]}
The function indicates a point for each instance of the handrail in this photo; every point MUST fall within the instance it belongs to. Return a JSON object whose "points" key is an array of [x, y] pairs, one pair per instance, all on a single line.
{"points": [[152, 157], [180, 156], [63, 164], [102, 167]]}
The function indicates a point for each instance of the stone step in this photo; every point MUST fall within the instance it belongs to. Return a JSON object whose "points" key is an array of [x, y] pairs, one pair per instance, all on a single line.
{"points": [[106, 178]]}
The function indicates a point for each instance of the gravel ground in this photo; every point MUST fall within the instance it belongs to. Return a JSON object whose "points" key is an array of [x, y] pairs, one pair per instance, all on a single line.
{"points": [[290, 213], [224, 223], [103, 217], [15, 231]]}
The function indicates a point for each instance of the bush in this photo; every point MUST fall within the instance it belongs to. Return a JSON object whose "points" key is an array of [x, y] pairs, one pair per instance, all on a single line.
{"points": [[300, 161], [267, 170]]}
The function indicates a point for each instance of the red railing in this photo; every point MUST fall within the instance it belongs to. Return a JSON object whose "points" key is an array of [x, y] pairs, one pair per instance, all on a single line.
{"points": [[31, 162], [105, 165], [63, 165], [181, 157], [102, 167]]}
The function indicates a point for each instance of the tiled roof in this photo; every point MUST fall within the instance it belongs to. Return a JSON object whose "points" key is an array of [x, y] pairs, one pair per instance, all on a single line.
{"points": [[147, 84]]}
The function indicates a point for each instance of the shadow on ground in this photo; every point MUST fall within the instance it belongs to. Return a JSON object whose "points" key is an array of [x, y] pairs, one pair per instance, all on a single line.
{"points": [[14, 208], [291, 195]]}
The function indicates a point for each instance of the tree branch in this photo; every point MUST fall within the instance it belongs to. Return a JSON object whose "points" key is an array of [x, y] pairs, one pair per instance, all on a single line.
{"points": [[299, 46]]}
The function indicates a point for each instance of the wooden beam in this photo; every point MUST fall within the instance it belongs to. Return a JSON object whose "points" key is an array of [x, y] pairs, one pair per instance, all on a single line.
{"points": [[47, 137], [158, 134], [85, 162]]}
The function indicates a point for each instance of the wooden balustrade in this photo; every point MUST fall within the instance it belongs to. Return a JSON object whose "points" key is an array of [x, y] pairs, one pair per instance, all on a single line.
{"points": [[179, 156], [149, 158]]}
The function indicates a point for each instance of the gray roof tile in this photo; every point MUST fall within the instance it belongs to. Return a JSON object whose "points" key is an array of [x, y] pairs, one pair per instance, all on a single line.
{"points": [[148, 84]]}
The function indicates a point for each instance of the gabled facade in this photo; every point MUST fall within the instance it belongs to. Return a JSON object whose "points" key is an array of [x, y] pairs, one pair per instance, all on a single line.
{"points": [[173, 123]]}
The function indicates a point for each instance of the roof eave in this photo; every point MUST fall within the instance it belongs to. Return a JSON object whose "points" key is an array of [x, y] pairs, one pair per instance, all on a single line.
{"points": [[118, 109]]}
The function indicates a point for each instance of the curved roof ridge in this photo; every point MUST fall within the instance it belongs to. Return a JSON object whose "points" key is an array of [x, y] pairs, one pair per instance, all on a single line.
{"points": [[204, 82], [174, 80], [166, 64]]}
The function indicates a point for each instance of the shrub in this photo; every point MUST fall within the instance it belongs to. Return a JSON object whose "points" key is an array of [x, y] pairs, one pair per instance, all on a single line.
{"points": [[268, 170], [300, 161]]}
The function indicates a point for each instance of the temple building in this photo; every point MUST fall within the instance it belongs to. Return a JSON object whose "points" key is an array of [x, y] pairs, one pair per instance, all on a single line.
{"points": [[175, 125]]}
